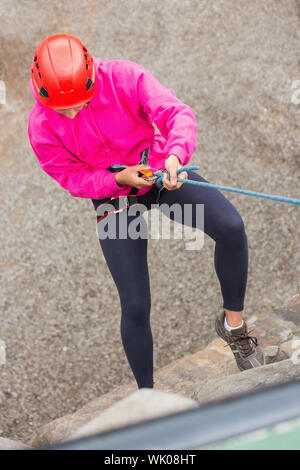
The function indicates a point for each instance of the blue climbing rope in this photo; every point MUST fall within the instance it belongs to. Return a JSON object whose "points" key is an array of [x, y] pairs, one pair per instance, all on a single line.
{"points": [[159, 183]]}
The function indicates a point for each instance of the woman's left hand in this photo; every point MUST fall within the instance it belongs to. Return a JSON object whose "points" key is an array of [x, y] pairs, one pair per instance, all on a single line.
{"points": [[172, 165]]}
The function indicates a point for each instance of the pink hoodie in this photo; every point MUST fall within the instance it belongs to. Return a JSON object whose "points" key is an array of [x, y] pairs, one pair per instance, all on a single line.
{"points": [[114, 128]]}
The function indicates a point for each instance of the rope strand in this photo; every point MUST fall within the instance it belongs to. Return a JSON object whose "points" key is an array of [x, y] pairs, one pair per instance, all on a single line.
{"points": [[233, 190]]}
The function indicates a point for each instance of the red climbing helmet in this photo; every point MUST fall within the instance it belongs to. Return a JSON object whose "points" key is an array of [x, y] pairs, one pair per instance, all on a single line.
{"points": [[63, 72]]}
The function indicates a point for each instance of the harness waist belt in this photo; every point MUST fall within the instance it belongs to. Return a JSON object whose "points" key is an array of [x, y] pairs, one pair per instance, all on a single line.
{"points": [[121, 202]]}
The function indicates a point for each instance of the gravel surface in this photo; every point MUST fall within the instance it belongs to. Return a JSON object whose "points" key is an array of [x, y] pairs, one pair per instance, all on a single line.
{"points": [[59, 310]]}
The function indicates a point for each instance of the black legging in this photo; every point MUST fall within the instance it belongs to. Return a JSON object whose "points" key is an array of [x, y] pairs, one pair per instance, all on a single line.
{"points": [[127, 261]]}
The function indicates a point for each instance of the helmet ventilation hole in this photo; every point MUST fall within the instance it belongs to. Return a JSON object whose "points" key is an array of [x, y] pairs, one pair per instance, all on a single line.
{"points": [[44, 92], [89, 84]]}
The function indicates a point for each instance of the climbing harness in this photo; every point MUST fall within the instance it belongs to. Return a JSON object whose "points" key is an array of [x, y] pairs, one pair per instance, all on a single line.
{"points": [[122, 202]]}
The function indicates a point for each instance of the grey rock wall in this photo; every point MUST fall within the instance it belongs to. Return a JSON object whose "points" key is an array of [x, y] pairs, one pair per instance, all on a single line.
{"points": [[208, 375], [235, 63]]}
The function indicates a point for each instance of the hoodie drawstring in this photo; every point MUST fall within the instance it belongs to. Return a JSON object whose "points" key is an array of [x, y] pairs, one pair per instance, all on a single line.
{"points": [[98, 131], [75, 138]]}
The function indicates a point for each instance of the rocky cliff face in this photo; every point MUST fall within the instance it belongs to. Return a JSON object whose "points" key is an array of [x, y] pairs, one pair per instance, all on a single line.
{"points": [[208, 375], [237, 64]]}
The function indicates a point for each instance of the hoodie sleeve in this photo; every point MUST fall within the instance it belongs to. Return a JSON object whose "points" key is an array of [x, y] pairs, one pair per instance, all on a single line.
{"points": [[72, 174], [175, 120]]}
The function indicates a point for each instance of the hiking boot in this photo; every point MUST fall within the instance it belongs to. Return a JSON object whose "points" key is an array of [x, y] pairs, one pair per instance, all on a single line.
{"points": [[245, 349]]}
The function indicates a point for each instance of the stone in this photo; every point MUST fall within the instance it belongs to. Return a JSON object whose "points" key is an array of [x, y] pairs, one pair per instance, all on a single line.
{"points": [[60, 430], [290, 310], [178, 377], [8, 444], [247, 381], [278, 327], [289, 347], [274, 354], [184, 376], [142, 405]]}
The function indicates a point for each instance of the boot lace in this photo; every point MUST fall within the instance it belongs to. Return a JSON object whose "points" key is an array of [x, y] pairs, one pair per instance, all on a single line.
{"points": [[244, 343]]}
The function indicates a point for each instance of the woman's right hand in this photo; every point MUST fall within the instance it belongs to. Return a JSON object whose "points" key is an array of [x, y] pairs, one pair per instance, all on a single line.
{"points": [[130, 177]]}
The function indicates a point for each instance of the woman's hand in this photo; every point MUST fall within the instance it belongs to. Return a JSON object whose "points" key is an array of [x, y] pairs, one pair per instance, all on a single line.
{"points": [[172, 164], [130, 177]]}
